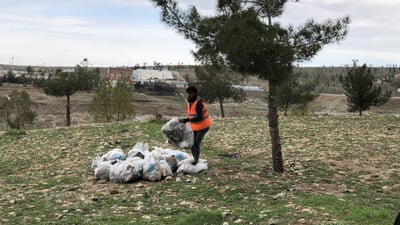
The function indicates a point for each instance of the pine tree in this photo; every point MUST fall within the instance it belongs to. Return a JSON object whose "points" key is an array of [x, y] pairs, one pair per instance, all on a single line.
{"points": [[68, 83], [122, 97], [243, 36], [100, 106], [361, 90]]}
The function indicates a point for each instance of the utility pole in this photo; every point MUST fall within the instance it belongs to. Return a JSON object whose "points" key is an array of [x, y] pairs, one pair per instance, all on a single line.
{"points": [[12, 64]]}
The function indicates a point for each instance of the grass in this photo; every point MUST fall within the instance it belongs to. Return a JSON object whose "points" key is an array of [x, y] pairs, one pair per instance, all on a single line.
{"points": [[338, 170]]}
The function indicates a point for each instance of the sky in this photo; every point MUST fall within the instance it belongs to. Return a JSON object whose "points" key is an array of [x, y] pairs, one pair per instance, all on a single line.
{"points": [[129, 32]]}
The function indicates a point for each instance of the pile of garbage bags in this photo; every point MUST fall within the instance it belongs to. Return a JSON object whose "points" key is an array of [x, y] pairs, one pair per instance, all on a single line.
{"points": [[155, 165], [140, 163]]}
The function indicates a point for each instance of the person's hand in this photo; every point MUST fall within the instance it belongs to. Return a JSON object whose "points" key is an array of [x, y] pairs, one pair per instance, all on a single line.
{"points": [[184, 120]]}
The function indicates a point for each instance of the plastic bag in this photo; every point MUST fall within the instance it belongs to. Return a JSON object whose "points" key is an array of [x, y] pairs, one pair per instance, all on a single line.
{"points": [[179, 155], [102, 171], [140, 149], [123, 172], [114, 154], [95, 162], [186, 166], [165, 168], [151, 168], [172, 162], [178, 134], [138, 163]]}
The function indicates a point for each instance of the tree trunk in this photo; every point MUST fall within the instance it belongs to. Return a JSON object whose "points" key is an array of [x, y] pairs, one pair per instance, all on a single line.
{"points": [[273, 115], [274, 129], [221, 106], [68, 115], [360, 112]]}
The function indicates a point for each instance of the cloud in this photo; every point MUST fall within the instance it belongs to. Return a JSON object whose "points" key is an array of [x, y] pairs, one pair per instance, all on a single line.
{"points": [[113, 32]]}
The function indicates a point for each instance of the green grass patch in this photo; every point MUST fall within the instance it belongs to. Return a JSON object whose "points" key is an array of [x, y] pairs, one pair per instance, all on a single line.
{"points": [[348, 211]]}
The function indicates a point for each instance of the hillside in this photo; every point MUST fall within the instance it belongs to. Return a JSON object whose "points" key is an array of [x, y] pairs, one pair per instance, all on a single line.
{"points": [[51, 110], [338, 170]]}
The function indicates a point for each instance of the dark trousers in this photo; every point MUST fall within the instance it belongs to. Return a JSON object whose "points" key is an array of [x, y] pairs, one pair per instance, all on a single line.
{"points": [[397, 221], [198, 137]]}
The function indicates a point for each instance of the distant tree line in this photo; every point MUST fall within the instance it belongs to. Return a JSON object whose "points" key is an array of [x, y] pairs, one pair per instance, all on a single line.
{"points": [[155, 88], [114, 102]]}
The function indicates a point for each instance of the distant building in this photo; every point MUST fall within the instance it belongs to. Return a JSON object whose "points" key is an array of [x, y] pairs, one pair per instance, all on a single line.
{"points": [[17, 73], [144, 75], [114, 74], [247, 88]]}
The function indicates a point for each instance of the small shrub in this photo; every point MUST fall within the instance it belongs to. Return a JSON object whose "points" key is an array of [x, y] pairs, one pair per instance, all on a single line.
{"points": [[15, 108]]}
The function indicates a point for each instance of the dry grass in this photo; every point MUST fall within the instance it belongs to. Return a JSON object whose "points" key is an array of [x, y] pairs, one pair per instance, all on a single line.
{"points": [[340, 169]]}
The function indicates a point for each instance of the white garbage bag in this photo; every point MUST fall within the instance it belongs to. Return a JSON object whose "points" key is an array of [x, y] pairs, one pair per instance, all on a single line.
{"points": [[151, 168], [114, 154], [178, 134], [165, 168], [172, 157], [124, 172], [186, 166], [140, 149], [102, 171], [179, 155], [95, 162]]}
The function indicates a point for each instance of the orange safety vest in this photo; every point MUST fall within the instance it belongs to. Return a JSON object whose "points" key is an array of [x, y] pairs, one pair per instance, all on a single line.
{"points": [[206, 119]]}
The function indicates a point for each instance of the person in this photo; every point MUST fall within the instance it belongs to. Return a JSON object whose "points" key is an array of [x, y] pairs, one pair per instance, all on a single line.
{"points": [[199, 119], [397, 220]]}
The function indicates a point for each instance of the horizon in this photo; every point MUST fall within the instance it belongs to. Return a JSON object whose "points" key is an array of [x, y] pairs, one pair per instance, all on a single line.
{"points": [[117, 33]]}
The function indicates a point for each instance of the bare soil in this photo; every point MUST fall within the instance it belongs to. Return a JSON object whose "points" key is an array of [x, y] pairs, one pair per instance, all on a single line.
{"points": [[51, 110]]}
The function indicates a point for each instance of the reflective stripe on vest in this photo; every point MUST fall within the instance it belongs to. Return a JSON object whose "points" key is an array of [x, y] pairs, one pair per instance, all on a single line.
{"points": [[202, 124]]}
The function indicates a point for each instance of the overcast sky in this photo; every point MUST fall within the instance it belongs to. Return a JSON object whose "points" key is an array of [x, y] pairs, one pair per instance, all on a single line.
{"points": [[129, 32]]}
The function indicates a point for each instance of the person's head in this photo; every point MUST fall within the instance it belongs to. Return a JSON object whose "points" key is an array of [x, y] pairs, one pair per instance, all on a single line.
{"points": [[192, 93]]}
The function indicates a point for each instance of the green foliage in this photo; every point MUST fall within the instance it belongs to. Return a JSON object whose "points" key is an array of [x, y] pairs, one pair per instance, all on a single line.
{"points": [[10, 77], [212, 82], [122, 97], [310, 37], [361, 90], [215, 83], [112, 103], [67, 83], [100, 106], [16, 110], [252, 47], [297, 94], [241, 34]]}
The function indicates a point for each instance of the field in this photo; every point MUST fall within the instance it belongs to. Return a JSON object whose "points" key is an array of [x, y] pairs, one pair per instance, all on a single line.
{"points": [[51, 110], [341, 169]]}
